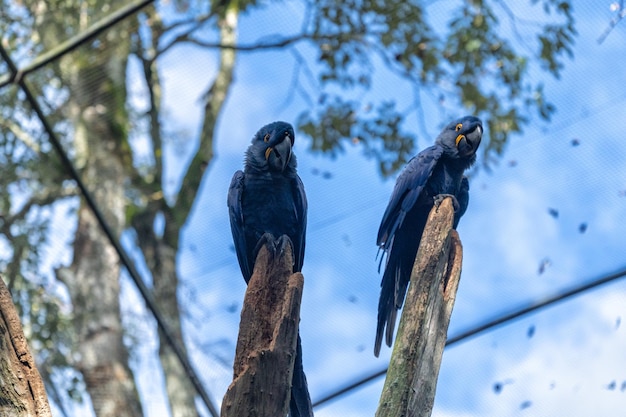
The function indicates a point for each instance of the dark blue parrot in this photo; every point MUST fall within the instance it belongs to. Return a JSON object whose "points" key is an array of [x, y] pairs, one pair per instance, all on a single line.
{"points": [[266, 202], [433, 174]]}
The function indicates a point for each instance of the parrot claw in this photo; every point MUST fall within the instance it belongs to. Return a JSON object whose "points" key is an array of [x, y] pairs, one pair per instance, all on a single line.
{"points": [[276, 247], [438, 199], [268, 239], [281, 245]]}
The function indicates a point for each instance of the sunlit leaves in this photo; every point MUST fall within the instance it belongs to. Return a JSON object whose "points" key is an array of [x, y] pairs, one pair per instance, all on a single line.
{"points": [[470, 62], [330, 126], [380, 133], [557, 38], [555, 41]]}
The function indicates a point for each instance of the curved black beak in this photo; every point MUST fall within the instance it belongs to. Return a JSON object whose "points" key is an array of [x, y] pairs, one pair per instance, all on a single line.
{"points": [[279, 155], [467, 143], [473, 138]]}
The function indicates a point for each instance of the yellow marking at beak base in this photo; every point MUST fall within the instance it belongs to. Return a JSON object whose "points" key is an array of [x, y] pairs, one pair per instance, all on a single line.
{"points": [[268, 151], [458, 139]]}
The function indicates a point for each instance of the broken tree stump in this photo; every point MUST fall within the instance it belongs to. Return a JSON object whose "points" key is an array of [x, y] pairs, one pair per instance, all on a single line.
{"points": [[266, 347], [411, 381], [22, 392]]}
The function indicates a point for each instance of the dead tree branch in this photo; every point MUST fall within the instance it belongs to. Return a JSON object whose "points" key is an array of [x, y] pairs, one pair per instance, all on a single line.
{"points": [[22, 393], [266, 347], [411, 381]]}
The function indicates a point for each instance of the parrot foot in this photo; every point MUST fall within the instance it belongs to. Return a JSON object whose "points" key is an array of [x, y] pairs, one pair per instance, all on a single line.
{"points": [[438, 199], [276, 247], [268, 239], [281, 245]]}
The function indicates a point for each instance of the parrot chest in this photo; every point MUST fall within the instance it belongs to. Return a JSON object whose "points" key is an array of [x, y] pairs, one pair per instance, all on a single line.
{"points": [[445, 179], [268, 207]]}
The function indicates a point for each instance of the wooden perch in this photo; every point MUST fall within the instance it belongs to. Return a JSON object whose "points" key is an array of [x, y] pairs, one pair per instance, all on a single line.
{"points": [[22, 393], [411, 380], [266, 346]]}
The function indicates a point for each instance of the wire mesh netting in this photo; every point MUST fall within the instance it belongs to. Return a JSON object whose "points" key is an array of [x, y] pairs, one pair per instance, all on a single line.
{"points": [[114, 98]]}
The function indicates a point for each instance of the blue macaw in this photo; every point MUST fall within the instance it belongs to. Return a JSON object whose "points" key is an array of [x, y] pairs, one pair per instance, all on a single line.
{"points": [[267, 202], [433, 174]]}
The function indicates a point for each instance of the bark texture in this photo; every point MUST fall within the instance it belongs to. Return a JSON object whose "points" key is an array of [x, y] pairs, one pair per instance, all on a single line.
{"points": [[411, 381], [266, 346], [22, 393], [97, 110]]}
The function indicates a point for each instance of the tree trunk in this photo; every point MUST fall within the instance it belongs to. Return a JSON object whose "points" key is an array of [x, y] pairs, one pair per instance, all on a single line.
{"points": [[100, 122], [180, 391], [266, 346], [411, 380], [160, 255], [22, 393]]}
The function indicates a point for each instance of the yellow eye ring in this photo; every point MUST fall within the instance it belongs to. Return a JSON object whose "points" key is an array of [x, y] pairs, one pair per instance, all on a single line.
{"points": [[458, 127], [266, 138]]}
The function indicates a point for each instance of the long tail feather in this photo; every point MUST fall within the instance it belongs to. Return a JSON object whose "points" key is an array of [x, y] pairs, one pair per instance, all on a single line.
{"points": [[300, 404]]}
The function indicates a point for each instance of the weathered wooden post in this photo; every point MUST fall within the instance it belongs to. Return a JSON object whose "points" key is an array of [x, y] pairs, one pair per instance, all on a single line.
{"points": [[22, 393], [409, 389], [266, 345]]}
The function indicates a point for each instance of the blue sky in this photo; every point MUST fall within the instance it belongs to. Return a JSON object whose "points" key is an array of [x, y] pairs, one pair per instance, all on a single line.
{"points": [[568, 365]]}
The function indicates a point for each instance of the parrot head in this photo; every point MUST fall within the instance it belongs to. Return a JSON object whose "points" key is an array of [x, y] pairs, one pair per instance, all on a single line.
{"points": [[461, 137], [271, 148]]}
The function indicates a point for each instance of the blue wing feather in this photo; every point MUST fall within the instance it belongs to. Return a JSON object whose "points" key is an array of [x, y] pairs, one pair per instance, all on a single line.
{"points": [[301, 207], [235, 191], [409, 187], [407, 190]]}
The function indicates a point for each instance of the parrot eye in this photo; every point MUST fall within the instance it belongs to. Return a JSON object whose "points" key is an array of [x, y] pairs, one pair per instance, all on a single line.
{"points": [[458, 127], [266, 138]]}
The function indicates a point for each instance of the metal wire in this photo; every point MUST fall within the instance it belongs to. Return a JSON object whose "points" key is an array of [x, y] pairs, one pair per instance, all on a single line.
{"points": [[489, 325], [124, 258], [75, 41]]}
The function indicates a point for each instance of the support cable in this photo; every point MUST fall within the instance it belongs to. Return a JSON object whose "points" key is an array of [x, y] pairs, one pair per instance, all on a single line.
{"points": [[490, 325], [75, 41]]}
